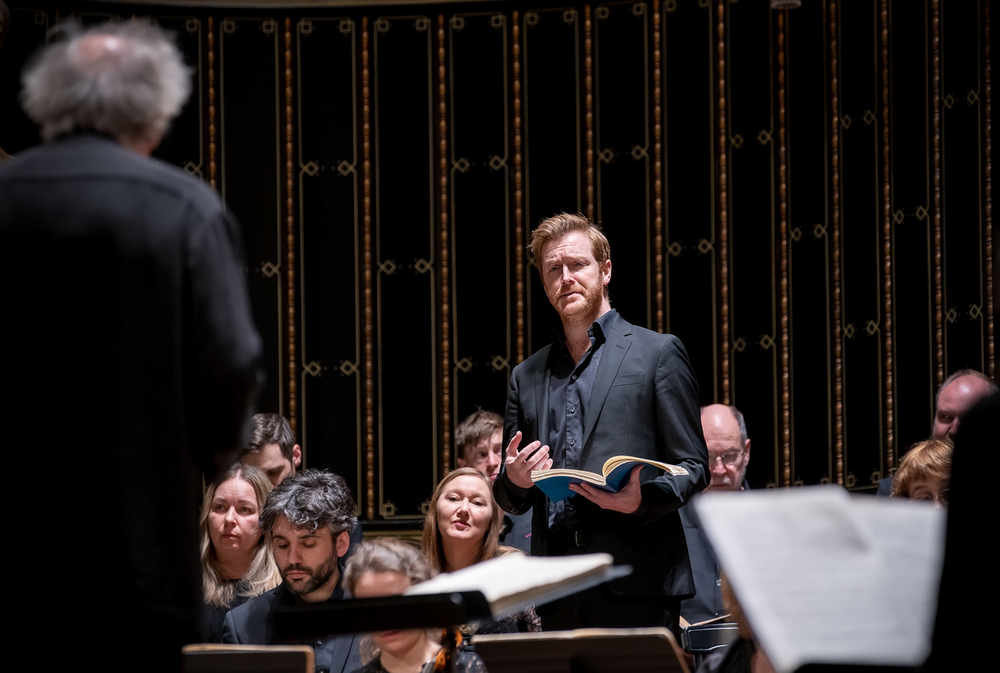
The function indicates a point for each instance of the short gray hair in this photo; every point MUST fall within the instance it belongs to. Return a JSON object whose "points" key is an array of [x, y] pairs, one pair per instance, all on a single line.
{"points": [[310, 499], [131, 90]]}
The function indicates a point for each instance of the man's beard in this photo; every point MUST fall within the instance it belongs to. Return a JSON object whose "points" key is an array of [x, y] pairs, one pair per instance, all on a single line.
{"points": [[725, 484], [317, 576]]}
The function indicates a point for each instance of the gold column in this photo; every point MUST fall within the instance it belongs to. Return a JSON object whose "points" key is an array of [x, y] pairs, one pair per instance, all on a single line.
{"points": [[369, 310], [988, 192], [589, 105], [723, 197], [890, 453], [936, 135], [786, 430], [838, 383], [658, 172], [445, 276], [290, 225], [518, 191], [212, 165]]}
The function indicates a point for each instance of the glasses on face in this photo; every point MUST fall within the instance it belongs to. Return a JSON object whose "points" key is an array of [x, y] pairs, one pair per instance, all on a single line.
{"points": [[728, 458]]}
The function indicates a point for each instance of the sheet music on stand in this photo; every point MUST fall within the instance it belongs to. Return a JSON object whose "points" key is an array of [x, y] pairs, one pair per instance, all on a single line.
{"points": [[829, 581], [490, 589], [651, 650]]}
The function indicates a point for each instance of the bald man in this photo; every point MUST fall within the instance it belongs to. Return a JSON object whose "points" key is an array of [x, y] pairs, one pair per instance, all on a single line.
{"points": [[957, 395], [728, 457]]}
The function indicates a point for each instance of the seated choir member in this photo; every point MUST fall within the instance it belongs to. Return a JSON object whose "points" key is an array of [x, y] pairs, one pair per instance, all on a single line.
{"points": [[236, 561], [388, 567], [925, 472], [461, 529]]}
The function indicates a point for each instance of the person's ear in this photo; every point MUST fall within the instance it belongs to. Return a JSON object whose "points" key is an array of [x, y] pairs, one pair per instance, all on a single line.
{"points": [[296, 455], [746, 448], [461, 461], [343, 543]]}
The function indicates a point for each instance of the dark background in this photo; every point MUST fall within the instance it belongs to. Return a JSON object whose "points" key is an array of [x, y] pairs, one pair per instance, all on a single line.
{"points": [[826, 266]]}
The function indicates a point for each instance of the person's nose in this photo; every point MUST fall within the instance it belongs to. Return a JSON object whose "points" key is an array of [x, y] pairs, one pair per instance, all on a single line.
{"points": [[492, 462], [567, 275], [231, 515], [294, 555], [953, 428], [718, 467]]}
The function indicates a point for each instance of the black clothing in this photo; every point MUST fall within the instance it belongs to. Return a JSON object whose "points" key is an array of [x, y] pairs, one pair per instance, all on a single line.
{"points": [[212, 616], [707, 601], [644, 403], [253, 624], [131, 365]]}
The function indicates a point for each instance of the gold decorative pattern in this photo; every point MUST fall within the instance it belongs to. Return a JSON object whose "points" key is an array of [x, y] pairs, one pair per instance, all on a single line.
{"points": [[786, 429], [838, 383], [588, 80], [890, 454], [936, 216], [212, 165], [369, 310], [723, 196], [290, 238], [442, 108], [988, 194], [658, 173], [518, 191]]}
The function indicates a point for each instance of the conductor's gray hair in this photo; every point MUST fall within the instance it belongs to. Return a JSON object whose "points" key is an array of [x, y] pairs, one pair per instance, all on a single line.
{"points": [[126, 80], [311, 499]]}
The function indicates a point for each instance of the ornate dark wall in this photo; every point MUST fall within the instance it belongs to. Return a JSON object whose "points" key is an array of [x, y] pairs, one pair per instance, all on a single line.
{"points": [[803, 196]]}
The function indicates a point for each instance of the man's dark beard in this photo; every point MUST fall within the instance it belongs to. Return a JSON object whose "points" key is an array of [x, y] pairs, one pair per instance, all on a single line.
{"points": [[317, 577]]}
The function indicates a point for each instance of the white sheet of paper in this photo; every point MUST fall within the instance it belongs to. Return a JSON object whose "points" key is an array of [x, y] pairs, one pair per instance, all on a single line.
{"points": [[826, 578]]}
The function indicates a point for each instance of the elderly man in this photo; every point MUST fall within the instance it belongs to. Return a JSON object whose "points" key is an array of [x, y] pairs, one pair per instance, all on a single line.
{"points": [[728, 457], [957, 395], [308, 520], [603, 387], [131, 357]]}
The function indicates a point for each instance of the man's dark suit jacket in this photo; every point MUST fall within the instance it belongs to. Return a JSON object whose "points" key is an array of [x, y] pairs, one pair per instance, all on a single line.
{"points": [[253, 624], [707, 601], [644, 403], [130, 362]]}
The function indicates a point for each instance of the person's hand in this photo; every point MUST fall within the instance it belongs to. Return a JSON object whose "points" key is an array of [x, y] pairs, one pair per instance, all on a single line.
{"points": [[625, 501], [519, 464]]}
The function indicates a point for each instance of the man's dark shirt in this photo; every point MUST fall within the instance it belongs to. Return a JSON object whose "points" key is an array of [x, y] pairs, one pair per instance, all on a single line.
{"points": [[570, 386], [253, 624]]}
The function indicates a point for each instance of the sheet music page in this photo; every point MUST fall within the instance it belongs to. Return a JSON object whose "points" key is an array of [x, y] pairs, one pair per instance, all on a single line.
{"points": [[818, 576], [514, 578]]}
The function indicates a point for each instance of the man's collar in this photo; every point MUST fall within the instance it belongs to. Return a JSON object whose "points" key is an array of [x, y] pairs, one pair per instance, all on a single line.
{"points": [[597, 331]]}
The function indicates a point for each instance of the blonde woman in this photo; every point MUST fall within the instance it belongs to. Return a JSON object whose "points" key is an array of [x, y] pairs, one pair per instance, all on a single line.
{"points": [[236, 560]]}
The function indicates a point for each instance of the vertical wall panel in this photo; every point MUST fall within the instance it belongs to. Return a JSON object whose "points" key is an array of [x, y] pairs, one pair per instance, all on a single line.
{"points": [[622, 147], [552, 139], [962, 187], [860, 158], [250, 176], [329, 171], [910, 181], [480, 168], [689, 212], [809, 245], [405, 262], [752, 222]]}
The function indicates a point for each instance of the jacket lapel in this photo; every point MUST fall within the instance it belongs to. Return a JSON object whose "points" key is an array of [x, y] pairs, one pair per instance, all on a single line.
{"points": [[616, 346]]}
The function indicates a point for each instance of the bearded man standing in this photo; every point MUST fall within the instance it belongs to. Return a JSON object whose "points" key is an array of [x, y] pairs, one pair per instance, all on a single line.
{"points": [[603, 388]]}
